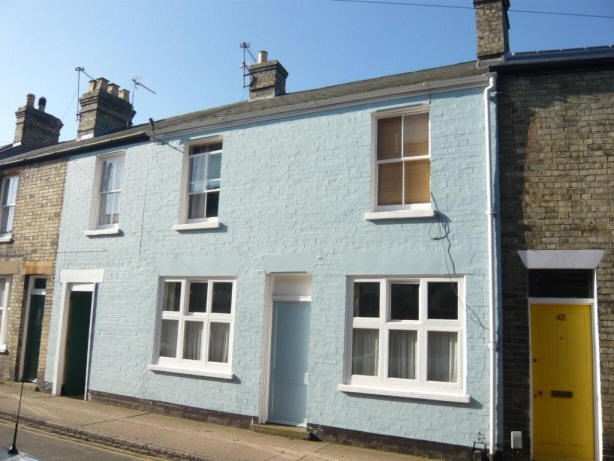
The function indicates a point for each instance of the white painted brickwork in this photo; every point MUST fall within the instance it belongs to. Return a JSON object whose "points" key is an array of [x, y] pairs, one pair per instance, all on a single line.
{"points": [[296, 187]]}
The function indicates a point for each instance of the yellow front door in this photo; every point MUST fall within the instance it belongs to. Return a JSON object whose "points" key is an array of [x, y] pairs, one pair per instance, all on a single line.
{"points": [[562, 382]]}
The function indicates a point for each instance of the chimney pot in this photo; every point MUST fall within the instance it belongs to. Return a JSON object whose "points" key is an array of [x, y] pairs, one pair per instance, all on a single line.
{"points": [[112, 89], [42, 102], [124, 94], [30, 100], [92, 85], [262, 56], [101, 84]]}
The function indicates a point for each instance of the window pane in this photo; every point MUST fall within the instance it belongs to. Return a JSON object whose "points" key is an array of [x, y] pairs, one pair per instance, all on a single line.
{"points": [[109, 208], [198, 297], [214, 171], [168, 338], [365, 347], [418, 182], [443, 300], [2, 288], [9, 194], [416, 135], [197, 173], [402, 354], [112, 174], [366, 299], [213, 199], [222, 297], [172, 296], [191, 340], [206, 148], [442, 356], [389, 183], [404, 301], [388, 138], [39, 284], [196, 206], [6, 225], [218, 342]]}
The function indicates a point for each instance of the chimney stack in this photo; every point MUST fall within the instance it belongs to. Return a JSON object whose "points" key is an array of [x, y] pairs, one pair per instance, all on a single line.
{"points": [[268, 78], [104, 109], [492, 25], [34, 127]]}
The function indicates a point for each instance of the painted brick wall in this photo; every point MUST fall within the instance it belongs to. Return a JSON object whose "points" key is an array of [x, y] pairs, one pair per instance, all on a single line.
{"points": [[557, 164], [296, 189], [36, 225]]}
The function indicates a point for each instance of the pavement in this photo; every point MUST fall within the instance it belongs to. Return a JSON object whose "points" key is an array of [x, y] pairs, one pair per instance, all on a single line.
{"points": [[161, 436]]}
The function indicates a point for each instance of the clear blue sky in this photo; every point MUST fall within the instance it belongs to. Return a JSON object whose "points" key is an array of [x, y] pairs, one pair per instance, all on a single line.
{"points": [[188, 51]]}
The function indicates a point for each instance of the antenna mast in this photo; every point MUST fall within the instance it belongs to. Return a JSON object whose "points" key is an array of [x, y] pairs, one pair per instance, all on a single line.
{"points": [[80, 69], [245, 46], [135, 85]]}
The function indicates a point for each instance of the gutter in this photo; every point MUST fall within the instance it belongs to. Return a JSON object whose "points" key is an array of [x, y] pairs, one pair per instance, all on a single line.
{"points": [[492, 340], [75, 148]]}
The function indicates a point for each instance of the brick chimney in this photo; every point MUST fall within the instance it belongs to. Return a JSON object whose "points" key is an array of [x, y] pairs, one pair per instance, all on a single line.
{"points": [[104, 108], [492, 25], [268, 78], [35, 128]]}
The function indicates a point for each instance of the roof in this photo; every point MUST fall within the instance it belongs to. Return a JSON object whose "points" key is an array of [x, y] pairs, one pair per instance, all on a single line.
{"points": [[241, 112]]}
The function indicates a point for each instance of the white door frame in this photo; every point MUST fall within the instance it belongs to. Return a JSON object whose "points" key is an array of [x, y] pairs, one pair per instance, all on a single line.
{"points": [[74, 280], [31, 291], [592, 303], [273, 293]]}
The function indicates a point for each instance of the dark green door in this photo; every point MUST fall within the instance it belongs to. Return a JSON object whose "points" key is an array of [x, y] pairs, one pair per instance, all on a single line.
{"points": [[76, 343], [33, 338]]}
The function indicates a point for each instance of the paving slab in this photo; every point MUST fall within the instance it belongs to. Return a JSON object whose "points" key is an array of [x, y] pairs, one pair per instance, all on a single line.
{"points": [[168, 436]]}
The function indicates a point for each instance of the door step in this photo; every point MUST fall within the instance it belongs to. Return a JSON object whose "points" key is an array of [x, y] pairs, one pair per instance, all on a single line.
{"points": [[282, 431]]}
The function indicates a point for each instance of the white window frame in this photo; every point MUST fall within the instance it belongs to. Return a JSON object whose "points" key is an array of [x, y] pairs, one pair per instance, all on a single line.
{"points": [[399, 210], [202, 367], [197, 223], [410, 388], [4, 307], [95, 228], [7, 234]]}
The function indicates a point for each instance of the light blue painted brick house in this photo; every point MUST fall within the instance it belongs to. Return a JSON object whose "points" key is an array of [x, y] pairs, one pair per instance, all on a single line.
{"points": [[315, 259]]}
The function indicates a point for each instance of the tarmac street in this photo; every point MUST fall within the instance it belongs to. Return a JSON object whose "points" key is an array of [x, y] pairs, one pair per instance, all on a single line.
{"points": [[153, 435], [58, 448]]}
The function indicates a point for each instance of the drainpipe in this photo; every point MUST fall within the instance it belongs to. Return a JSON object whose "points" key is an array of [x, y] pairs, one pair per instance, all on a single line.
{"points": [[492, 344]]}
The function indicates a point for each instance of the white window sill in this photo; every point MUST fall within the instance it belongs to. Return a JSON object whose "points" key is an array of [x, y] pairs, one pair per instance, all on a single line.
{"points": [[399, 214], [192, 371], [6, 238], [210, 224], [3, 349], [114, 230], [459, 398]]}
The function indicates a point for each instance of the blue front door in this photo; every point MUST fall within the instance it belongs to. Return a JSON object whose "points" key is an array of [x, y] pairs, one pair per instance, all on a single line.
{"points": [[289, 356]]}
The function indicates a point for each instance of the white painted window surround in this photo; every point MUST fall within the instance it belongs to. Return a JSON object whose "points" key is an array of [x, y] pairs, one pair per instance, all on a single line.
{"points": [[106, 196], [4, 308], [405, 338], [194, 333], [200, 185], [401, 210], [8, 199]]}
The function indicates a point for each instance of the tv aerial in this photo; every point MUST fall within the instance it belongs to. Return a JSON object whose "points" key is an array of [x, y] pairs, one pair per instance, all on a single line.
{"points": [[136, 84], [246, 51]]}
